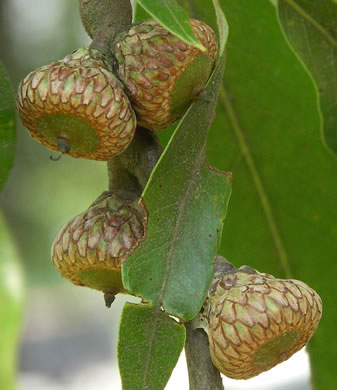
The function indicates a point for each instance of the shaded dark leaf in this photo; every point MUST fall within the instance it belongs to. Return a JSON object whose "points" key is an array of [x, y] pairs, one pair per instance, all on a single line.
{"points": [[311, 30], [7, 126]]}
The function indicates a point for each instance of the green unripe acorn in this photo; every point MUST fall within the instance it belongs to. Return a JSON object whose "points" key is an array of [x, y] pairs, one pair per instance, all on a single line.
{"points": [[255, 321], [77, 106], [163, 74], [90, 249]]}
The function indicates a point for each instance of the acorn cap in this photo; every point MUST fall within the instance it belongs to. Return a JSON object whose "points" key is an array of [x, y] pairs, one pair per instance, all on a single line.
{"points": [[256, 321], [90, 249], [163, 74], [77, 106]]}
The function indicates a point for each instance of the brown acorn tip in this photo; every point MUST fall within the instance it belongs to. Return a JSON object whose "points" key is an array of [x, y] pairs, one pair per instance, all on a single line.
{"points": [[90, 249], [78, 107], [256, 321]]}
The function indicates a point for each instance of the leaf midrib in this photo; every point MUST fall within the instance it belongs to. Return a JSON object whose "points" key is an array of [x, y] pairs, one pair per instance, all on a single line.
{"points": [[261, 192], [312, 21], [181, 212], [182, 205], [172, 14], [148, 357], [184, 32]]}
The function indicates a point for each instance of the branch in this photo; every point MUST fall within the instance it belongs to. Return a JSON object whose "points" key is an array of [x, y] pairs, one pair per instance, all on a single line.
{"points": [[203, 375], [103, 19], [201, 372], [131, 169]]}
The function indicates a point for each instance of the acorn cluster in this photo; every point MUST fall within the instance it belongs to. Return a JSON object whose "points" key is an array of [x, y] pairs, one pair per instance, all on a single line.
{"points": [[81, 107], [87, 107]]}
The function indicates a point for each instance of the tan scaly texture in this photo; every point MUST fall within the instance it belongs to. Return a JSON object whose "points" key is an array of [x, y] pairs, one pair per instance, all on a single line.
{"points": [[100, 238], [256, 321], [150, 61], [80, 86]]}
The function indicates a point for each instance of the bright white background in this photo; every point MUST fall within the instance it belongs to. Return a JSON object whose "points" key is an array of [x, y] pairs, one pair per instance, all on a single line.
{"points": [[69, 343]]}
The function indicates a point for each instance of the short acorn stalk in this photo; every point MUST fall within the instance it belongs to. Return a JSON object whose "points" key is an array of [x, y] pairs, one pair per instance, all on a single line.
{"points": [[131, 170]]}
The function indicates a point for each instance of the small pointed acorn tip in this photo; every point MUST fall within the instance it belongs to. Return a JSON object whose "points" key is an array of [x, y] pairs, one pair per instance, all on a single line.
{"points": [[63, 145], [109, 299]]}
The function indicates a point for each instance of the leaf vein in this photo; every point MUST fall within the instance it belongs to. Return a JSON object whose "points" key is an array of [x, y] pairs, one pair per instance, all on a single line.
{"points": [[265, 203], [148, 357], [175, 234], [311, 20]]}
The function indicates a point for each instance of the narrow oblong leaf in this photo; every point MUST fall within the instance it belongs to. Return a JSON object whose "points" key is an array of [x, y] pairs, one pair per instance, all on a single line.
{"points": [[7, 126], [174, 18], [282, 215], [11, 297], [222, 25], [310, 27], [186, 201], [149, 347]]}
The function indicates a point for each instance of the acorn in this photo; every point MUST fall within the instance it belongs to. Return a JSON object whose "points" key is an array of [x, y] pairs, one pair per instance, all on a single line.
{"points": [[163, 74], [78, 107], [89, 250], [256, 321]]}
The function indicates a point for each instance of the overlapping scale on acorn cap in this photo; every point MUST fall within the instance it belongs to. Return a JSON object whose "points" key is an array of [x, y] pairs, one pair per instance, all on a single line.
{"points": [[163, 74], [256, 321], [80, 103], [90, 249]]}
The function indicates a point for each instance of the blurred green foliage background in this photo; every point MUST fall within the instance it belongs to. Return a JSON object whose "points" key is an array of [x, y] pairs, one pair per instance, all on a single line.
{"points": [[41, 195]]}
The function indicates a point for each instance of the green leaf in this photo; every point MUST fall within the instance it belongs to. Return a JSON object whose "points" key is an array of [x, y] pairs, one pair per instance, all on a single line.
{"points": [[222, 26], [10, 307], [174, 18], [282, 217], [140, 14], [182, 272], [149, 347], [7, 126], [186, 201], [310, 28]]}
